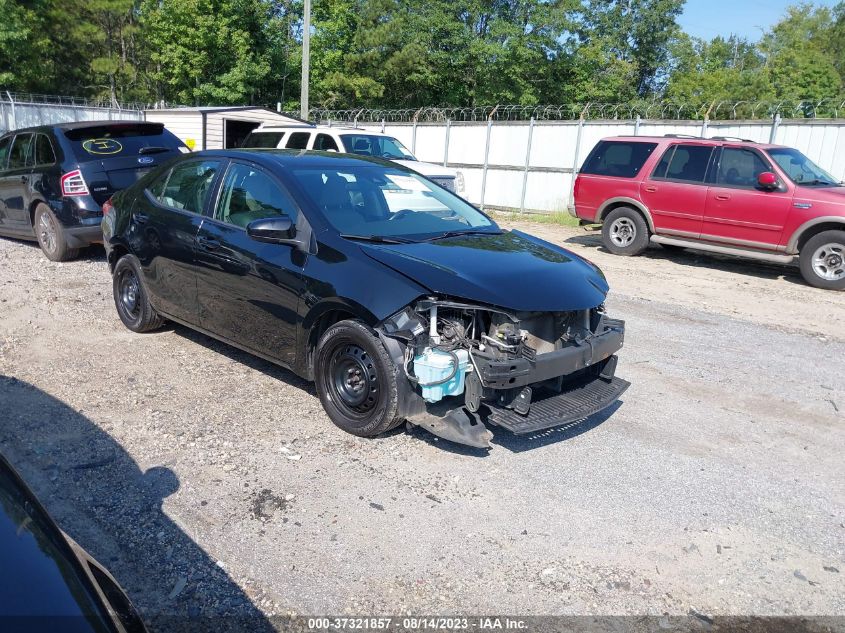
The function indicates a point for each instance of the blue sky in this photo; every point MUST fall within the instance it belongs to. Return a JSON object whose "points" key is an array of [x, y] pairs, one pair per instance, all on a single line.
{"points": [[709, 18]]}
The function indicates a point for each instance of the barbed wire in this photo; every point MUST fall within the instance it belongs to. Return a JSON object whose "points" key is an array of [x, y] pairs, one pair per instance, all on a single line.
{"points": [[654, 110]]}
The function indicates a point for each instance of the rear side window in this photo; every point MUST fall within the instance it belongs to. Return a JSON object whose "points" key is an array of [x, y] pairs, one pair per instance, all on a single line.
{"points": [[100, 142], [740, 167], [20, 151], [263, 139], [325, 143], [5, 143], [187, 185], [622, 159], [687, 163], [298, 140], [42, 152]]}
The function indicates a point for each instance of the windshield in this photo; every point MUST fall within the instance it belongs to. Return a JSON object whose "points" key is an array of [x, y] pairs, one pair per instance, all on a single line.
{"points": [[262, 139], [371, 200], [800, 169], [373, 145]]}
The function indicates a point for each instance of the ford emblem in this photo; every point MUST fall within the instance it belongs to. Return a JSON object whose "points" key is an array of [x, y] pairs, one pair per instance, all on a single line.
{"points": [[146, 160]]}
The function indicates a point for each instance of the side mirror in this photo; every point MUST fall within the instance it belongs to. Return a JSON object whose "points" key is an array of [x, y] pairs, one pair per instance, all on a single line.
{"points": [[768, 181], [276, 230]]}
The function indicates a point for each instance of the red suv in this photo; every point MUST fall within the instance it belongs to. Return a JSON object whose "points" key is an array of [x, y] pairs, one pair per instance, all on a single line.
{"points": [[720, 195]]}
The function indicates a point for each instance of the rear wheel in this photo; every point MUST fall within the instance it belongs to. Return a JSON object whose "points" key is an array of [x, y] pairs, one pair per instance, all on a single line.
{"points": [[50, 235], [624, 232], [130, 297], [356, 380], [822, 260]]}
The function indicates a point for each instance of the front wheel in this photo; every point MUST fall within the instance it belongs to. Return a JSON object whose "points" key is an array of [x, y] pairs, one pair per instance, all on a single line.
{"points": [[130, 297], [822, 260], [624, 232], [356, 380]]}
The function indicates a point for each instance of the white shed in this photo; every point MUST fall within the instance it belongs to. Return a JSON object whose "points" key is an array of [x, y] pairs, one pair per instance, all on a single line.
{"points": [[217, 127]]}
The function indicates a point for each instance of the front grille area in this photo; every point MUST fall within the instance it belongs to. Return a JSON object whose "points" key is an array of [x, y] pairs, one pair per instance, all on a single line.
{"points": [[447, 182]]}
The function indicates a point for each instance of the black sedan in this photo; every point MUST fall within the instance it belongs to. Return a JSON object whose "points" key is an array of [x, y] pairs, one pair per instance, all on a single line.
{"points": [[48, 582], [398, 298]]}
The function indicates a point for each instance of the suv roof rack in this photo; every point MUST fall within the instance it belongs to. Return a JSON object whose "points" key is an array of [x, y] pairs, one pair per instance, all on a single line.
{"points": [[731, 138], [679, 136]]}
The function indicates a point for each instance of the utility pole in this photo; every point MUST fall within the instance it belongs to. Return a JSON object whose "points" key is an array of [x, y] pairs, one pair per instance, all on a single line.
{"points": [[306, 61]]}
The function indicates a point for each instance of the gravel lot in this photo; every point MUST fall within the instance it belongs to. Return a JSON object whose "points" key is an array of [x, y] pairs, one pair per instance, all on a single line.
{"points": [[211, 482]]}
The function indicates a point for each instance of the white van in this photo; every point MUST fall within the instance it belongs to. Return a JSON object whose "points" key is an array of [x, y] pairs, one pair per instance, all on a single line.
{"points": [[352, 140]]}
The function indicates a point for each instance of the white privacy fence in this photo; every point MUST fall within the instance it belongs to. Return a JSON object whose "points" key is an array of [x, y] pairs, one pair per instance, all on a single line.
{"points": [[530, 165], [20, 111]]}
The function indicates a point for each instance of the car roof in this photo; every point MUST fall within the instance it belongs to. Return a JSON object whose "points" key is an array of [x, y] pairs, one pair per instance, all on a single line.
{"points": [[292, 158], [683, 137], [274, 127], [78, 125]]}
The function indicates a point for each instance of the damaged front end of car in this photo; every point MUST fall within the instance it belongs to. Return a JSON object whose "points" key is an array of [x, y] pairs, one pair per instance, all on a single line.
{"points": [[468, 367]]}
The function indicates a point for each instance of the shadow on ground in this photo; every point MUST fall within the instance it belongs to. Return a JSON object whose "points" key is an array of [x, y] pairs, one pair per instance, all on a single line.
{"points": [[113, 509]]}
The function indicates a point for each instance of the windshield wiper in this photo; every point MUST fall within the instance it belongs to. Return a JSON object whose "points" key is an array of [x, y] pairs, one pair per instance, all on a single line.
{"points": [[378, 239], [459, 233], [152, 150]]}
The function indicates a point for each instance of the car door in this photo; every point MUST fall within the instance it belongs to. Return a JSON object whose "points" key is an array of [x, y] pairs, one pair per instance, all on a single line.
{"points": [[676, 191], [14, 186], [738, 210], [5, 146], [248, 291], [162, 233]]}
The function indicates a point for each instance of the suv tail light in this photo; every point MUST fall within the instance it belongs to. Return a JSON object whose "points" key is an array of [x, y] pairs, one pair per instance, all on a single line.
{"points": [[73, 184], [108, 207]]}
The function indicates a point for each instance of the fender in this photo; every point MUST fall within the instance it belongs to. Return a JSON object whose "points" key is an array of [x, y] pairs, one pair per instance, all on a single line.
{"points": [[792, 245], [629, 202]]}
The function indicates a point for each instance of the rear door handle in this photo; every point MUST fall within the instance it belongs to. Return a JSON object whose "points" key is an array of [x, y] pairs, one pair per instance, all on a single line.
{"points": [[651, 188], [208, 243], [723, 196]]}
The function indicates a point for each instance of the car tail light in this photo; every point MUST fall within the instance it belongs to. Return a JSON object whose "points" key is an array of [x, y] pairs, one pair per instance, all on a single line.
{"points": [[108, 207], [73, 184]]}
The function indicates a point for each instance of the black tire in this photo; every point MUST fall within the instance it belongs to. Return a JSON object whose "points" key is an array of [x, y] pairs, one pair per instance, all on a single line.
{"points": [[624, 232], [130, 297], [356, 380], [51, 235], [822, 260]]}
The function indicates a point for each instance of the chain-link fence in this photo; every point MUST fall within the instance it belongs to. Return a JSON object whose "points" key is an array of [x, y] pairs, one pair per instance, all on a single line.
{"points": [[20, 110], [829, 108]]}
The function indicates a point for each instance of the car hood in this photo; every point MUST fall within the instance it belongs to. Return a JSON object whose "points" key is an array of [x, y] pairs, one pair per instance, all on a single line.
{"points": [[835, 195], [512, 270], [428, 169]]}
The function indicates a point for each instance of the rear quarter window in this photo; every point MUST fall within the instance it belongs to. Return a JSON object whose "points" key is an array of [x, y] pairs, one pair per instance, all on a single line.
{"points": [[622, 159], [121, 139]]}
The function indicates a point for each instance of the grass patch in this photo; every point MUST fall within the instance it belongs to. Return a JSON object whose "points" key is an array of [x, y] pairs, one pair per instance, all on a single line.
{"points": [[561, 218]]}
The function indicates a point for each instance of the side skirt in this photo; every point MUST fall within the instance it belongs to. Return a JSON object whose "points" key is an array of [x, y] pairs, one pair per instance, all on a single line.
{"points": [[724, 250]]}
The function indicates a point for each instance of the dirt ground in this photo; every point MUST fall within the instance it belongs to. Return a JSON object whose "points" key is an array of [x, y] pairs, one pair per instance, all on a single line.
{"points": [[211, 482]]}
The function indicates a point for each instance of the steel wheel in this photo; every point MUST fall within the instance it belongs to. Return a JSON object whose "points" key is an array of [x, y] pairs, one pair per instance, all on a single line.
{"points": [[129, 292], [623, 232], [353, 380], [829, 262], [47, 232]]}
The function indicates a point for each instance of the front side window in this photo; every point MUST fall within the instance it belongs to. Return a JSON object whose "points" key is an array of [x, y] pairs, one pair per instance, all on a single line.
{"points": [[371, 200], [622, 159], [374, 145], [5, 144], [298, 140], [800, 169], [740, 167], [250, 194], [187, 185], [20, 151], [325, 143], [687, 163]]}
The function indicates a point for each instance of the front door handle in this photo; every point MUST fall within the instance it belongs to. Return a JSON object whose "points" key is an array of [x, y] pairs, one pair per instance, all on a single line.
{"points": [[722, 196], [208, 243], [651, 188], [23, 180], [140, 218]]}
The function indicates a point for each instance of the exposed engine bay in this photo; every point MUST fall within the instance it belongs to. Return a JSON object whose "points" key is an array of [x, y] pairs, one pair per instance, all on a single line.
{"points": [[523, 371]]}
